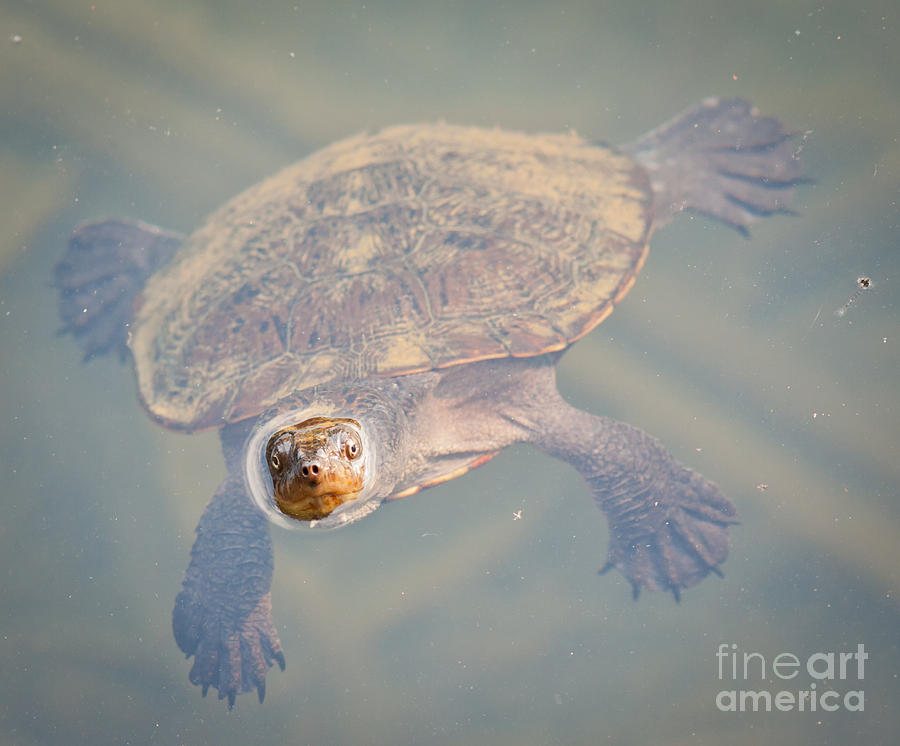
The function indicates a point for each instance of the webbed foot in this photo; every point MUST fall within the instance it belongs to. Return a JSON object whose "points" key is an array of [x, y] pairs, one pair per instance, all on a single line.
{"points": [[223, 615], [679, 541], [231, 655], [101, 274]]}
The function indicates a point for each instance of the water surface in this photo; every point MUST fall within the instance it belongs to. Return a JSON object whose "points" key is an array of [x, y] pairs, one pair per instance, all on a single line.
{"points": [[442, 619]]}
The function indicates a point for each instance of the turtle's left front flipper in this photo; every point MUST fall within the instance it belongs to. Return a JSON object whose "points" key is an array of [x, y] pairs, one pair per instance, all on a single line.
{"points": [[668, 524]]}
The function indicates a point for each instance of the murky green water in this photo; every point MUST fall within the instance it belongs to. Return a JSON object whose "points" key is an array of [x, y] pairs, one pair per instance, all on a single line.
{"points": [[442, 619]]}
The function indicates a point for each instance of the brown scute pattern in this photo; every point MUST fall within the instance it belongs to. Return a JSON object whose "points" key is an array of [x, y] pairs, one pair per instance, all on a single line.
{"points": [[415, 248]]}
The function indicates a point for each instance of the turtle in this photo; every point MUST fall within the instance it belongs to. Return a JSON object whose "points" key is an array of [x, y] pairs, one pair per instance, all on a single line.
{"points": [[387, 314]]}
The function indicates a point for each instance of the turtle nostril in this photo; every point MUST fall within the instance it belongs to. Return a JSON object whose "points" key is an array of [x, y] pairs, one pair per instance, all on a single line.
{"points": [[309, 470], [314, 469]]}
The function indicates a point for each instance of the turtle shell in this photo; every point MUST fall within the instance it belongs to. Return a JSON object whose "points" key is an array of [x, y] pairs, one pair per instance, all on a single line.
{"points": [[416, 248]]}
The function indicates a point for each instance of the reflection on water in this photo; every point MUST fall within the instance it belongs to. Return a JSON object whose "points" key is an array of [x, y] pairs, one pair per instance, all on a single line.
{"points": [[442, 618]]}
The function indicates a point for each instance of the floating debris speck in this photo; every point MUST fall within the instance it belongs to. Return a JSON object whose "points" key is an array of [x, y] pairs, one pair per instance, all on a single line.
{"points": [[863, 283]]}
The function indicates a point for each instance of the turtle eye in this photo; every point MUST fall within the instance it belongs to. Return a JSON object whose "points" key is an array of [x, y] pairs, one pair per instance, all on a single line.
{"points": [[352, 448], [279, 450]]}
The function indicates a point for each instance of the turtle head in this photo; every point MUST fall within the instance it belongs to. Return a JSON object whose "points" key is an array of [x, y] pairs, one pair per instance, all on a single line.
{"points": [[316, 465], [326, 458]]}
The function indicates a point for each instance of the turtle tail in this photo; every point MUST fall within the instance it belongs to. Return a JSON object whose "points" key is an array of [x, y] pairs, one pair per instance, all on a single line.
{"points": [[720, 158], [99, 278]]}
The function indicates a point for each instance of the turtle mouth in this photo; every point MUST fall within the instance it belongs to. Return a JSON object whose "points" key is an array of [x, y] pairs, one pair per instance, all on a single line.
{"points": [[312, 501]]}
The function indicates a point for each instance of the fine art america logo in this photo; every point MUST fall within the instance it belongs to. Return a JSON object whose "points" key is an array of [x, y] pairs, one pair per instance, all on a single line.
{"points": [[834, 681]]}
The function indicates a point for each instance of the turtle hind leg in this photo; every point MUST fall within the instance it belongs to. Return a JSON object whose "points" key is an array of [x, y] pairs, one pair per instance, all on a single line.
{"points": [[668, 524], [104, 268], [720, 158]]}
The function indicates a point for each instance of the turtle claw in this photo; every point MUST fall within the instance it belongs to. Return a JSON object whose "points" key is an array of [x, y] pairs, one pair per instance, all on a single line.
{"points": [[680, 546], [278, 657], [230, 655]]}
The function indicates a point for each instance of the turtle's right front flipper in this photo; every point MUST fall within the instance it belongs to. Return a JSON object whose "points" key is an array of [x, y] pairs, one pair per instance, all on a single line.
{"points": [[223, 614]]}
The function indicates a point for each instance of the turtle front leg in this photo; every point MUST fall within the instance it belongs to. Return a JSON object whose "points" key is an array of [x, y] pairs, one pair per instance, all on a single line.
{"points": [[668, 524], [223, 614]]}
